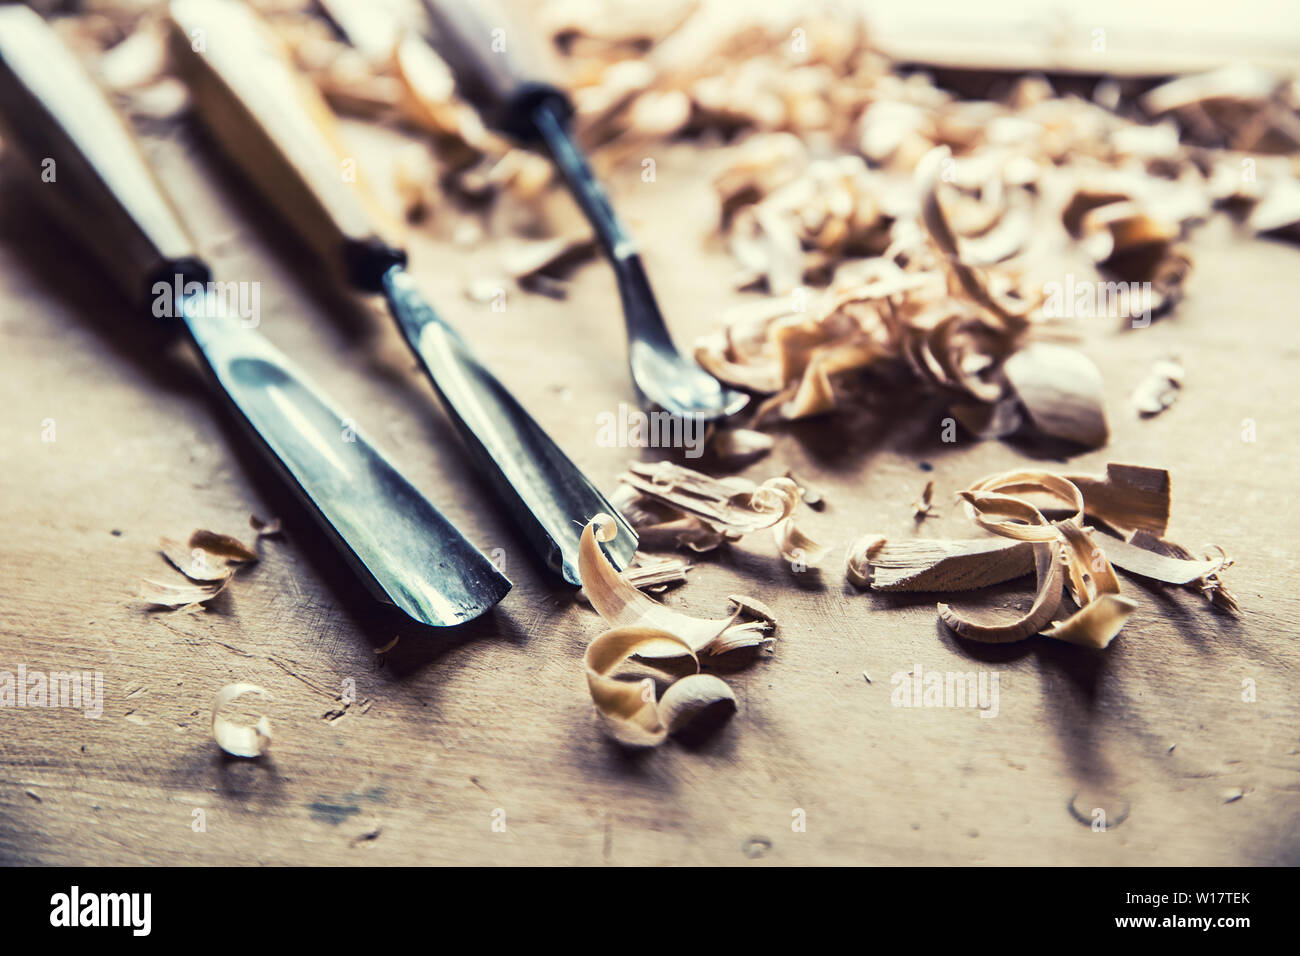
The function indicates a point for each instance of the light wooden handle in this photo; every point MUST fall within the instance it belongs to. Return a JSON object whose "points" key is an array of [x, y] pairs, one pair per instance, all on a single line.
{"points": [[497, 66], [275, 125], [83, 162]]}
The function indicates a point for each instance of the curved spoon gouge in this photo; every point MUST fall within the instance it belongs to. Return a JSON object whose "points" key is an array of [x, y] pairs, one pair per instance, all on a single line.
{"points": [[505, 77]]}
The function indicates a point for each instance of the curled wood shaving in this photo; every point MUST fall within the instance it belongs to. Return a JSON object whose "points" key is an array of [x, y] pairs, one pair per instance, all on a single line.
{"points": [[1061, 390], [184, 596], [621, 605], [795, 546], [629, 711], [680, 507], [1067, 556], [651, 574], [733, 506], [1050, 575], [1240, 106], [857, 561], [239, 740], [138, 60], [1130, 244], [1278, 212], [753, 607]]}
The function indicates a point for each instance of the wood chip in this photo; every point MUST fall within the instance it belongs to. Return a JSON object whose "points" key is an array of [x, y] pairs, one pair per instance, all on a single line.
{"points": [[223, 546], [1159, 389], [1061, 390]]}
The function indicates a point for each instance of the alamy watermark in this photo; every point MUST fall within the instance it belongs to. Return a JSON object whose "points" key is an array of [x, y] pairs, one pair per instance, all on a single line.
{"points": [[629, 428], [236, 300], [80, 690], [1098, 300], [919, 688], [130, 910]]}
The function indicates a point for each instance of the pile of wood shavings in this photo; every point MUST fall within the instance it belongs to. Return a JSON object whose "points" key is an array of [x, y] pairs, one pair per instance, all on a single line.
{"points": [[825, 140], [673, 506], [1069, 557]]}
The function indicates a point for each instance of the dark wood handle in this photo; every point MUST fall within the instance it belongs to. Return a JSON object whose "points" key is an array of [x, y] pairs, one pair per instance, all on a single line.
{"points": [[498, 67], [275, 125], [84, 163]]}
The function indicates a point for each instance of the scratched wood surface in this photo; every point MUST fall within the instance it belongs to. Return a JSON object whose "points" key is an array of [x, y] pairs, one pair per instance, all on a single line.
{"points": [[452, 731]]}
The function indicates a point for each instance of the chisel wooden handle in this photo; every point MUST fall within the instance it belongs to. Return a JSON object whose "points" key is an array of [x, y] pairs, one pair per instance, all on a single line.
{"points": [[276, 126], [83, 162], [497, 68]]}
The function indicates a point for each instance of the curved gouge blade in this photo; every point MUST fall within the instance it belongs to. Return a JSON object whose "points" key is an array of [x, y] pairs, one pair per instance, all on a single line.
{"points": [[399, 543], [550, 499]]}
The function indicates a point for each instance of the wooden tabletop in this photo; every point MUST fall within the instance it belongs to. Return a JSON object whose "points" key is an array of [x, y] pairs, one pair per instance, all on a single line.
{"points": [[479, 745]]}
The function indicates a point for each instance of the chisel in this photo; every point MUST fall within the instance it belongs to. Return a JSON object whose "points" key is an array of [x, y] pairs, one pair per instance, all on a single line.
{"points": [[81, 159], [278, 129], [504, 76]]}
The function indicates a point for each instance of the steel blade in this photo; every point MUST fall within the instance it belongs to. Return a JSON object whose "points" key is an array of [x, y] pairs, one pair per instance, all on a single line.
{"points": [[406, 551]]}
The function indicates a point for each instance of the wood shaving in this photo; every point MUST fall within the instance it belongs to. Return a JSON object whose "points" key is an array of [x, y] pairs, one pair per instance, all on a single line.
{"points": [[1069, 558], [1159, 389], [224, 546], [1061, 391], [729, 506], [753, 607], [923, 506], [796, 547], [138, 60], [185, 597], [1278, 211], [197, 564], [620, 604], [209, 561], [655, 574], [1128, 498], [936, 564], [629, 711], [239, 740], [674, 506]]}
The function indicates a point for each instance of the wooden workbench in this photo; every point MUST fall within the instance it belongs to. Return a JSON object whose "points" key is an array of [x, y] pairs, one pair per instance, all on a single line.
{"points": [[453, 731]]}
